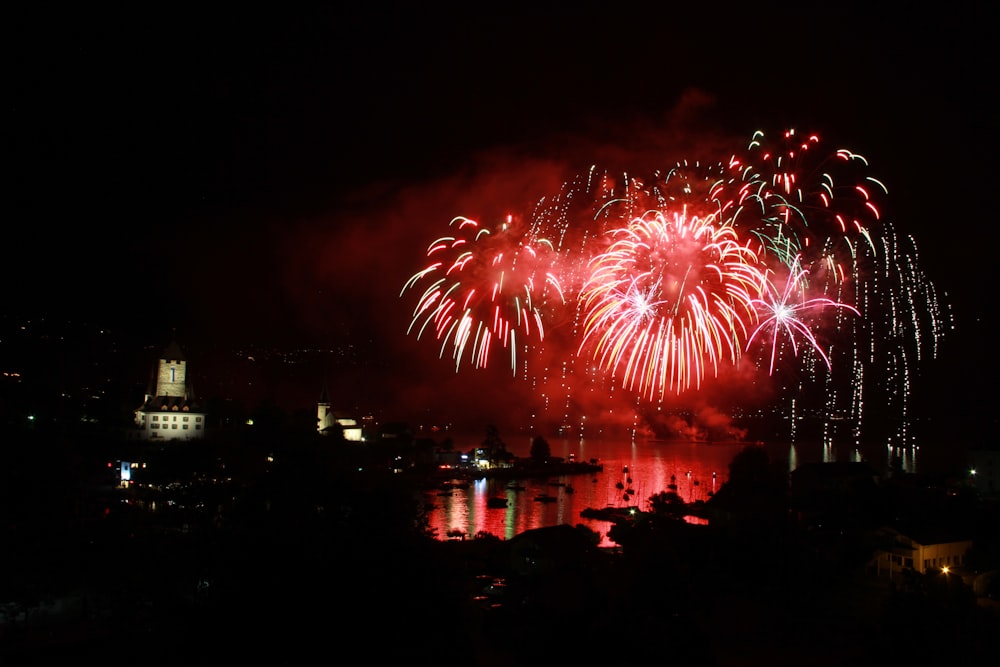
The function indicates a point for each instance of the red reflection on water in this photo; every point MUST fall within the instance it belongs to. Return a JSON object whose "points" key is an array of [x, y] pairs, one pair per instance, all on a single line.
{"points": [[633, 471]]}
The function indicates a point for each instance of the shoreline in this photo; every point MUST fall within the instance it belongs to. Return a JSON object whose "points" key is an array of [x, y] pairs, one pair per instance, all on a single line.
{"points": [[525, 469]]}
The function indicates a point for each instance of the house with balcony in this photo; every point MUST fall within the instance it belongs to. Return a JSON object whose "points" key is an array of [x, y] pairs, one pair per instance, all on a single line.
{"points": [[919, 549]]}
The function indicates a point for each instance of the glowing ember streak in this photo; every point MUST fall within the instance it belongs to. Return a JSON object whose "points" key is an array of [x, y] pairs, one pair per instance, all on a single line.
{"points": [[669, 298], [781, 313], [481, 291]]}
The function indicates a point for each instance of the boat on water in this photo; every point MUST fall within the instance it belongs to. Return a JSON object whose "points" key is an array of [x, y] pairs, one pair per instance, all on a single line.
{"points": [[610, 513], [527, 468], [545, 498], [497, 502]]}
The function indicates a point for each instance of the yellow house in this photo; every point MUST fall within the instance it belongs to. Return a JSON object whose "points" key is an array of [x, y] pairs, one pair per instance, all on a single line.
{"points": [[919, 551]]}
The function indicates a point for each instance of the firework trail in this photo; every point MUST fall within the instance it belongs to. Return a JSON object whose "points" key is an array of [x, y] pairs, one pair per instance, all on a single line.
{"points": [[480, 292], [668, 299], [783, 314], [817, 211]]}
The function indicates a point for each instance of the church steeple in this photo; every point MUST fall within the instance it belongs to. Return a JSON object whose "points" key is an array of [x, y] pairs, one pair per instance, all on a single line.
{"points": [[324, 395], [171, 377], [323, 409]]}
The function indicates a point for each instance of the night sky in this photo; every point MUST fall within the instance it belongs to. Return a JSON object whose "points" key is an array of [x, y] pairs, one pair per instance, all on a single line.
{"points": [[272, 177]]}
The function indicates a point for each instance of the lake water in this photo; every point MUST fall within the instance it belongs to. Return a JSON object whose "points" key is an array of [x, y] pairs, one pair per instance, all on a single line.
{"points": [[645, 467]]}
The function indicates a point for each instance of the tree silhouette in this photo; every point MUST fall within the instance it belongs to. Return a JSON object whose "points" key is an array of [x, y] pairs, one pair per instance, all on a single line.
{"points": [[540, 450], [750, 465], [494, 447], [665, 502]]}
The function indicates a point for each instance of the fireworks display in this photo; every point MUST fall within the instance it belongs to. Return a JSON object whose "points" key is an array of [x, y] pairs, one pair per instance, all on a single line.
{"points": [[668, 300], [773, 265], [481, 291]]}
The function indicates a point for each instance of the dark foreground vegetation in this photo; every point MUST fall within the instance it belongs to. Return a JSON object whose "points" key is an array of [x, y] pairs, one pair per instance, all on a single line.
{"points": [[288, 549]]}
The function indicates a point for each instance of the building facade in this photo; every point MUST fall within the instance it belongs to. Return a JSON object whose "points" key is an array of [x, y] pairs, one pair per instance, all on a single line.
{"points": [[920, 553], [169, 410], [329, 421]]}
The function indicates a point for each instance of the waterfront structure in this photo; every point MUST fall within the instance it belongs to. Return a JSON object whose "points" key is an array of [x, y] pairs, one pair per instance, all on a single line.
{"points": [[329, 421], [169, 410]]}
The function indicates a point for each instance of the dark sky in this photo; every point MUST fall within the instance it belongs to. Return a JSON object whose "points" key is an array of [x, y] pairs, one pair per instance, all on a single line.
{"points": [[273, 176]]}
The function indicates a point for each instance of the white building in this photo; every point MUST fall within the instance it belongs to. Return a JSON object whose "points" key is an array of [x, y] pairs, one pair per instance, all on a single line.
{"points": [[328, 421], [169, 410]]}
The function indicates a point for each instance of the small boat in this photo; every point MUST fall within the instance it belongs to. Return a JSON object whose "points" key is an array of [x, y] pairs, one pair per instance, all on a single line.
{"points": [[515, 487], [569, 488], [496, 502], [609, 513], [545, 498]]}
